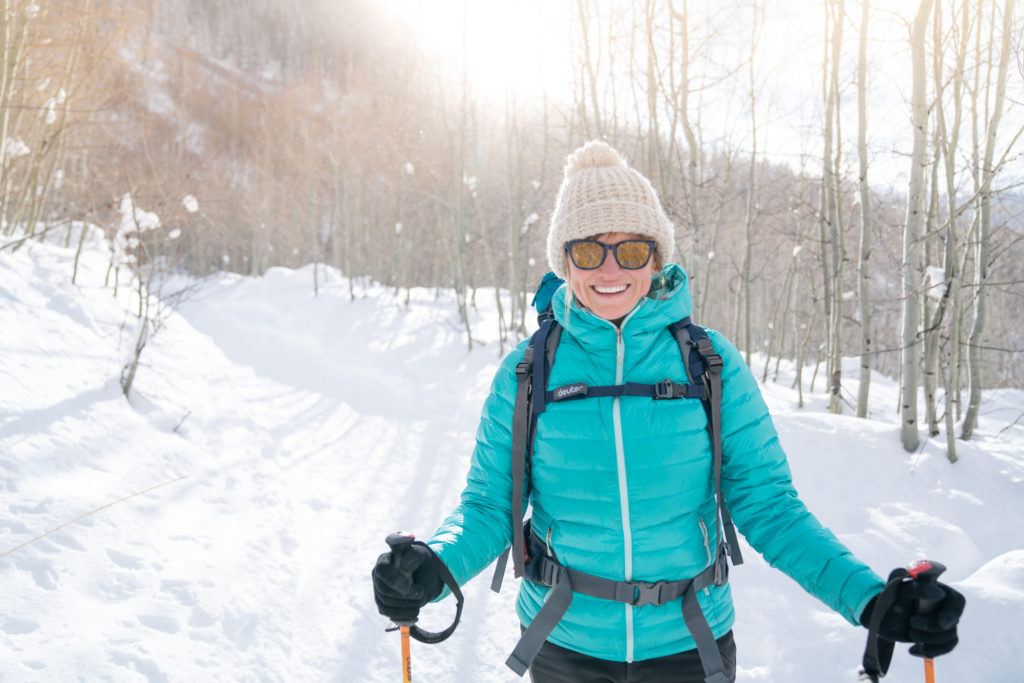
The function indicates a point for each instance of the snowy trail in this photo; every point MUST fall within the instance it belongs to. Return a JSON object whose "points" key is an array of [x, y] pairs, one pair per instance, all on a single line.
{"points": [[307, 428]]}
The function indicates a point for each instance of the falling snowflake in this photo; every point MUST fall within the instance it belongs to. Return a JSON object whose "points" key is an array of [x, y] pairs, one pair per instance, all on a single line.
{"points": [[190, 203]]}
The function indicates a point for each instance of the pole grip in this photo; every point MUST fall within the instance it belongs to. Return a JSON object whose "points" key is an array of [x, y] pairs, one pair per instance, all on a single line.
{"points": [[399, 542], [926, 573]]}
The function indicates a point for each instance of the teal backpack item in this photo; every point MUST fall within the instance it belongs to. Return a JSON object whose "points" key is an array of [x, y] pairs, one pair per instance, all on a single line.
{"points": [[703, 367]]}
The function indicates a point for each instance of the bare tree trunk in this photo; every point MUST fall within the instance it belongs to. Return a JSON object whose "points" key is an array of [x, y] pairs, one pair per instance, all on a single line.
{"points": [[835, 362], [911, 235], [931, 312], [746, 282], [691, 184], [826, 208], [981, 258], [863, 267]]}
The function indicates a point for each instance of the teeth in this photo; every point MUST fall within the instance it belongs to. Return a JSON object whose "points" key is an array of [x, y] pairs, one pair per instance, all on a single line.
{"points": [[610, 290]]}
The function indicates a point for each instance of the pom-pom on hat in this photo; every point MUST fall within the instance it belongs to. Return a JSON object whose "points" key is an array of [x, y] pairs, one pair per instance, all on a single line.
{"points": [[600, 193]]}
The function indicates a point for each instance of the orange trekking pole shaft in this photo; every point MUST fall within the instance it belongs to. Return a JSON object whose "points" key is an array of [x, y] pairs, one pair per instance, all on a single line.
{"points": [[929, 670], [398, 542], [407, 658]]}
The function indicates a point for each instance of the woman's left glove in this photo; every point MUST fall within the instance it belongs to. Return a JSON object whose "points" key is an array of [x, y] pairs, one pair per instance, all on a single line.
{"points": [[933, 632], [404, 581]]}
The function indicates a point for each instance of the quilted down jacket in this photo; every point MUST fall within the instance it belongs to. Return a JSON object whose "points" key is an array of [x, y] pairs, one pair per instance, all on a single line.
{"points": [[624, 485]]}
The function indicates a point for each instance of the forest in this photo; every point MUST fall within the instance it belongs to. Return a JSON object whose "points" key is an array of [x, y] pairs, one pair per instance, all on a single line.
{"points": [[844, 178]]}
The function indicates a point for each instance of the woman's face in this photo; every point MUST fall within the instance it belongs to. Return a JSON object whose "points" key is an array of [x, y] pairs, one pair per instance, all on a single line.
{"points": [[611, 291]]}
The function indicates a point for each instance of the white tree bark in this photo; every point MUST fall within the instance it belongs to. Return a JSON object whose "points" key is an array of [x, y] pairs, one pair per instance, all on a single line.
{"points": [[863, 266], [981, 257], [912, 234]]}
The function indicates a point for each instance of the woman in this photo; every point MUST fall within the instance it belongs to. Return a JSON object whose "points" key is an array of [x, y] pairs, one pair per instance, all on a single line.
{"points": [[623, 487]]}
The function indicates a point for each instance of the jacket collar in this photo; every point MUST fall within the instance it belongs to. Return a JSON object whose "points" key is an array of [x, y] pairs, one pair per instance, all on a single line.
{"points": [[668, 301]]}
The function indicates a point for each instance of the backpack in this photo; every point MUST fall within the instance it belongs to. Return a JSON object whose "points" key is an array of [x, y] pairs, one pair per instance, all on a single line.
{"points": [[703, 369]]}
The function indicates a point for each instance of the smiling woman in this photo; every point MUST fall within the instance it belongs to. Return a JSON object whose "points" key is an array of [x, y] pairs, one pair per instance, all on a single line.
{"points": [[501, 46]]}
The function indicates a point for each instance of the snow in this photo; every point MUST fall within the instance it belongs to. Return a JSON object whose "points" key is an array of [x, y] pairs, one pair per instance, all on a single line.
{"points": [[190, 203], [289, 433]]}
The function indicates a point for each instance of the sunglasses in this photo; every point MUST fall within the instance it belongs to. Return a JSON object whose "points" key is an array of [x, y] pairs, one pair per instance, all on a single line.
{"points": [[629, 254]]}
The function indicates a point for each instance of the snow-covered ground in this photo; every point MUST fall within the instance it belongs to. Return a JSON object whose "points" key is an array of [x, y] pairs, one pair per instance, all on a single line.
{"points": [[289, 433]]}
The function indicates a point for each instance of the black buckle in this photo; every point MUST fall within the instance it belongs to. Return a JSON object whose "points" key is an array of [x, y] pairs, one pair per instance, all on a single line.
{"points": [[522, 368], [647, 593], [722, 565], [707, 352], [664, 389]]}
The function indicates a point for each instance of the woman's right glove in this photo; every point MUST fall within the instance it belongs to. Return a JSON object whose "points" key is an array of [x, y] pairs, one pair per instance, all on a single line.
{"points": [[404, 580], [933, 632]]}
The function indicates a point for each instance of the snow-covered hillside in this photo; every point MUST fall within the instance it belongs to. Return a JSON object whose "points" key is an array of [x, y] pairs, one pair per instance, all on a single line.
{"points": [[289, 433]]}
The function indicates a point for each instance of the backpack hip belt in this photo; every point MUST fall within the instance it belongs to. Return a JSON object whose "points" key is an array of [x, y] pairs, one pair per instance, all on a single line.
{"points": [[544, 568]]}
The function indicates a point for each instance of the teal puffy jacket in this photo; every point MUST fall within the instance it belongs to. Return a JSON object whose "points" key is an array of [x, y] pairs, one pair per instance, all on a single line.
{"points": [[624, 485]]}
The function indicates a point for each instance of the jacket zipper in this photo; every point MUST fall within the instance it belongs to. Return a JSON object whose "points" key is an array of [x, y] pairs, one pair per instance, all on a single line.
{"points": [[620, 457]]}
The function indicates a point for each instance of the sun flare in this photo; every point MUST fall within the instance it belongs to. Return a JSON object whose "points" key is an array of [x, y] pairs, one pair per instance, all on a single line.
{"points": [[504, 47]]}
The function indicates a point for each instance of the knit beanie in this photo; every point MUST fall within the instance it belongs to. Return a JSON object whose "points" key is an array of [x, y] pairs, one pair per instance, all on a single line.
{"points": [[600, 193]]}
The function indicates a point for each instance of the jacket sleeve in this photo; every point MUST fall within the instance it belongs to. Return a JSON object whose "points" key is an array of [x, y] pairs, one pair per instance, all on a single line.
{"points": [[758, 489], [480, 528]]}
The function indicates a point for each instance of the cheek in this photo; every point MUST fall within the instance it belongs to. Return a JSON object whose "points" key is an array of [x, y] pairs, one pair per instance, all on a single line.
{"points": [[643, 285], [578, 287]]}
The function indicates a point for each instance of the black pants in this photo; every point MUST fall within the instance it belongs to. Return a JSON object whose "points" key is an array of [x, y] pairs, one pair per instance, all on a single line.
{"points": [[556, 664]]}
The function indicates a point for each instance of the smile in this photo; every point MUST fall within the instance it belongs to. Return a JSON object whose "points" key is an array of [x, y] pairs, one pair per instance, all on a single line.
{"points": [[610, 290]]}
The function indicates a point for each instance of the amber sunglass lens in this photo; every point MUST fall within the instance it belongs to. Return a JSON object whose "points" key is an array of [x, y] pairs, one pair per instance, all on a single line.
{"points": [[587, 254], [633, 254]]}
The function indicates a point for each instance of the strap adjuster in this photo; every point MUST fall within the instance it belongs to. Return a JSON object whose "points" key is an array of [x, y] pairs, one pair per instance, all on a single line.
{"points": [[664, 389], [548, 572], [722, 565], [522, 368], [707, 352]]}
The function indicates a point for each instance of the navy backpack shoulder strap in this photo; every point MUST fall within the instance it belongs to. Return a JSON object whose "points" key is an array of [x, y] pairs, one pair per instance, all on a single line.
{"points": [[703, 364], [531, 372]]}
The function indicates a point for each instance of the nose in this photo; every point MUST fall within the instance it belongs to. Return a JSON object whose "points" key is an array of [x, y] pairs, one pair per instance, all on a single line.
{"points": [[610, 265]]}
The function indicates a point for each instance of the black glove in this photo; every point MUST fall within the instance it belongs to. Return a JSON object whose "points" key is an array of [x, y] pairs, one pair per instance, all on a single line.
{"points": [[934, 633], [404, 581]]}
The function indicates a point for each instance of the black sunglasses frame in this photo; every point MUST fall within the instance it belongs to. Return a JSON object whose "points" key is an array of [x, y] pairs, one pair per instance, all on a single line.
{"points": [[614, 248]]}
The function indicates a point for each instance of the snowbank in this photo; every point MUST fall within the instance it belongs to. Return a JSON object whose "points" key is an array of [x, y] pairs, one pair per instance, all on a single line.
{"points": [[290, 433]]}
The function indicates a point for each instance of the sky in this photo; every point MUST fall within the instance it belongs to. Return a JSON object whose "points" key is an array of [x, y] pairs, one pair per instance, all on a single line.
{"points": [[524, 49]]}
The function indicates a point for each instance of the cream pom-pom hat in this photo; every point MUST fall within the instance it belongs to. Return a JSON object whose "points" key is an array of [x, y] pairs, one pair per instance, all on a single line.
{"points": [[600, 193]]}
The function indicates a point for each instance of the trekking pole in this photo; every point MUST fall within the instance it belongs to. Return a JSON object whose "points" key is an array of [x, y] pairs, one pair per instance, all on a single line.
{"points": [[399, 542], [927, 573]]}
